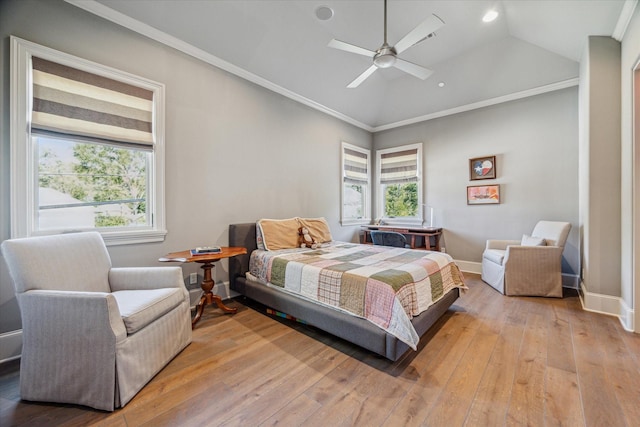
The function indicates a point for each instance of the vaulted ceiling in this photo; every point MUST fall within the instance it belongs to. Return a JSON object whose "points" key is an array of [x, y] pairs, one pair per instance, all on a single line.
{"points": [[533, 46]]}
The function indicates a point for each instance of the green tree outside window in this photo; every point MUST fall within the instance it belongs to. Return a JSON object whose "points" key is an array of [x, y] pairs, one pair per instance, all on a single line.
{"points": [[401, 200]]}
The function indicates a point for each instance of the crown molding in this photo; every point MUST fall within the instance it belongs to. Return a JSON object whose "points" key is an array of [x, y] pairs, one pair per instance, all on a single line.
{"points": [[123, 20], [116, 17], [481, 104], [626, 14]]}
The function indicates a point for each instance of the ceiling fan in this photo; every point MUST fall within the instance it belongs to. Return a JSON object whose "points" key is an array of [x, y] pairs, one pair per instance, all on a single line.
{"points": [[387, 56]]}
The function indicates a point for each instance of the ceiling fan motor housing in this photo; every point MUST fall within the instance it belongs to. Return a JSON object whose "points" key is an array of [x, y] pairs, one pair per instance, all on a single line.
{"points": [[385, 56]]}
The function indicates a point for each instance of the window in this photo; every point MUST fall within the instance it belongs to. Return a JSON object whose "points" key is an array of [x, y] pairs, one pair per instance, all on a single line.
{"points": [[356, 184], [87, 148], [400, 184]]}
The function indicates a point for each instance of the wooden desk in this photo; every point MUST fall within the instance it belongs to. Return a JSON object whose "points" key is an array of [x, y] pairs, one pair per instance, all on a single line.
{"points": [[427, 233], [207, 261]]}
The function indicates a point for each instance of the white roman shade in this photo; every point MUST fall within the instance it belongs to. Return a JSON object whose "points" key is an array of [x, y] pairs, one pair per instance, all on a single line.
{"points": [[70, 101], [355, 167], [399, 167]]}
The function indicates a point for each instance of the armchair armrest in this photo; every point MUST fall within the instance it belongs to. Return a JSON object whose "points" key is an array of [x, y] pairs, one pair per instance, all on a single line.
{"points": [[71, 313], [542, 256], [139, 278], [533, 270], [501, 244], [70, 335]]}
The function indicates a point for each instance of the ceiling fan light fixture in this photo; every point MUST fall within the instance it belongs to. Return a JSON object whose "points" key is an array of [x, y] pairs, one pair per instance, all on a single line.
{"points": [[385, 57]]}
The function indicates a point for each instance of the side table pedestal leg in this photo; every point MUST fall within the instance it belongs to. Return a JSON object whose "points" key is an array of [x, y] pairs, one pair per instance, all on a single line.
{"points": [[209, 297]]}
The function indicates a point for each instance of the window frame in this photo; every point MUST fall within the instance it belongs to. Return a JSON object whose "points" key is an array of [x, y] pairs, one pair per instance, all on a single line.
{"points": [[24, 155], [413, 221], [366, 219]]}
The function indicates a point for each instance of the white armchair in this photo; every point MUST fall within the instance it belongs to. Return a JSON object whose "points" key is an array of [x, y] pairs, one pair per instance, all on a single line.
{"points": [[531, 266], [92, 335]]}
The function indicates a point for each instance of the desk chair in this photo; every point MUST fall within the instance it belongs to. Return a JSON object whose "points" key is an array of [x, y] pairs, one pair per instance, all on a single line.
{"points": [[388, 238]]}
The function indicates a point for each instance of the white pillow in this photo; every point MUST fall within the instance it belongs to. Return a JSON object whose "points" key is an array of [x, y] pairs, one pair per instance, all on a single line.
{"points": [[532, 241]]}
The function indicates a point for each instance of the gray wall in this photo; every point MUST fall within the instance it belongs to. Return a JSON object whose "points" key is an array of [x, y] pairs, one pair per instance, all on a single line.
{"points": [[600, 165], [235, 152], [535, 141]]}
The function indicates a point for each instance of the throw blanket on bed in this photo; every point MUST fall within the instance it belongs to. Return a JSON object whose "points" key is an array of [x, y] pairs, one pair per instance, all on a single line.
{"points": [[387, 286]]}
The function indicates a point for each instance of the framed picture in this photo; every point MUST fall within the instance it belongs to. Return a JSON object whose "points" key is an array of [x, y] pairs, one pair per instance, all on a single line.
{"points": [[482, 168], [483, 194]]}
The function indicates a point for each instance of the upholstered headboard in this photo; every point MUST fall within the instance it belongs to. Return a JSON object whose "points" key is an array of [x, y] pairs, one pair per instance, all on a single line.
{"points": [[243, 235]]}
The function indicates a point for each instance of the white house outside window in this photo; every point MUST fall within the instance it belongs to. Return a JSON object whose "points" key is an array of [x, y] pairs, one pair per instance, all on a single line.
{"points": [[87, 148], [356, 185]]}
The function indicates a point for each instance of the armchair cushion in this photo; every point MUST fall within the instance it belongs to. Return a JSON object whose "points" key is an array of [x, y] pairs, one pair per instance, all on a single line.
{"points": [[532, 241], [139, 308]]}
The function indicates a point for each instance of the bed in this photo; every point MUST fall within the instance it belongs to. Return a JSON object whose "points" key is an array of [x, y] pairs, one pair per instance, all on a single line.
{"points": [[336, 321]]}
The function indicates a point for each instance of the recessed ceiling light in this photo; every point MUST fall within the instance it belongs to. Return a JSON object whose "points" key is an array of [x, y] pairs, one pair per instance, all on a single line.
{"points": [[490, 16], [441, 84], [324, 13]]}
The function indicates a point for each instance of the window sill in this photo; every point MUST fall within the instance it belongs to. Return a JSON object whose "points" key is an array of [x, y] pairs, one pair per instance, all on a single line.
{"points": [[114, 238], [133, 237], [360, 221], [417, 222]]}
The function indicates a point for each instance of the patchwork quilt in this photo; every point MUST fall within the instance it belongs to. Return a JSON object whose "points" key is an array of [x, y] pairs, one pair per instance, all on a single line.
{"points": [[387, 286]]}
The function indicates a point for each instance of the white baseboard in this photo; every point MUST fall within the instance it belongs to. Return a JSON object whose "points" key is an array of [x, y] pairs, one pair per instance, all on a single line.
{"points": [[607, 304], [220, 288], [627, 316], [224, 291], [571, 281], [469, 266], [568, 280], [194, 297], [11, 342], [10, 345]]}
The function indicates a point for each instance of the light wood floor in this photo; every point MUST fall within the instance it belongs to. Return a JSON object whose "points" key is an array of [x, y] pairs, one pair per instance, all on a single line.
{"points": [[490, 361]]}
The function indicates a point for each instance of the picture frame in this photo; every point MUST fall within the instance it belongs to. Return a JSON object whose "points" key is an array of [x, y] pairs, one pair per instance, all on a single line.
{"points": [[483, 194], [482, 168]]}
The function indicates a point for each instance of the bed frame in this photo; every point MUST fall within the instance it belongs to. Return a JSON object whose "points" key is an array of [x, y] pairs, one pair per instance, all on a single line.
{"points": [[354, 329]]}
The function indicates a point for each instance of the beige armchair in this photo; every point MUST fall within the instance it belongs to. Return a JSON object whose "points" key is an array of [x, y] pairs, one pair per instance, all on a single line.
{"points": [[91, 334], [531, 266]]}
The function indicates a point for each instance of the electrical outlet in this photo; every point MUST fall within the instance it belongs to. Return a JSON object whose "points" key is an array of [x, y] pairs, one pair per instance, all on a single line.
{"points": [[443, 249], [193, 278]]}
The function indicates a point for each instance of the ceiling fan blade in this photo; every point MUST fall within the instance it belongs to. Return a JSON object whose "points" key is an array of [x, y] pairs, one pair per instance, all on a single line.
{"points": [[362, 77], [337, 44], [413, 69], [428, 26]]}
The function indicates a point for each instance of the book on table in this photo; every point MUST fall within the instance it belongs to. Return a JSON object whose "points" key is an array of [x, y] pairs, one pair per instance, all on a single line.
{"points": [[206, 250]]}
